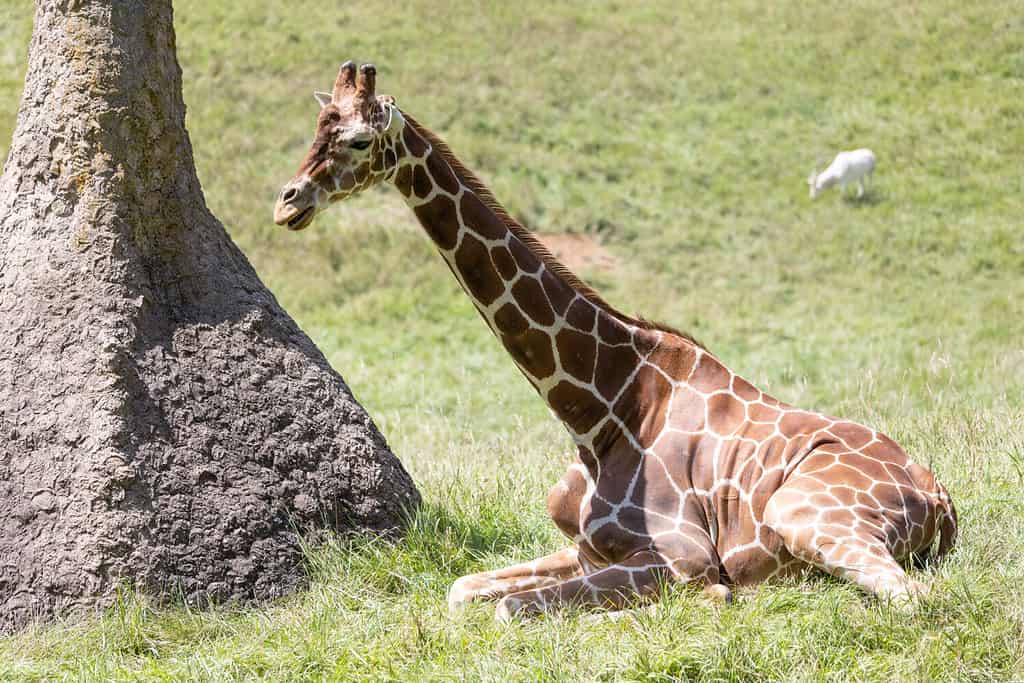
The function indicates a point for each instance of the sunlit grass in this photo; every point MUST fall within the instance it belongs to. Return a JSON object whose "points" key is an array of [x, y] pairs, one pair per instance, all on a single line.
{"points": [[679, 137]]}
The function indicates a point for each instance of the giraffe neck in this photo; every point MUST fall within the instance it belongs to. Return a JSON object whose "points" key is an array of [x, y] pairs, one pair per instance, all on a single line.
{"points": [[576, 351]]}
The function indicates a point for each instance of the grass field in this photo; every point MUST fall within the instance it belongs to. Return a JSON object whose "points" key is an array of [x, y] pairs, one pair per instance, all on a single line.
{"points": [[679, 137]]}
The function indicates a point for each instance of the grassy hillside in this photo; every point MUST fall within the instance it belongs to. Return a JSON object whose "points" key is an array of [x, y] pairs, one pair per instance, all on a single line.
{"points": [[679, 138]]}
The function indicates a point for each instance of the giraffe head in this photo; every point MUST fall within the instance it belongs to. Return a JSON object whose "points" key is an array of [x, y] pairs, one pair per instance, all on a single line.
{"points": [[353, 147]]}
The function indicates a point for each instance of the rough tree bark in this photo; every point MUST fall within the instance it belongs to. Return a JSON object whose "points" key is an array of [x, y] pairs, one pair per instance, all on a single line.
{"points": [[162, 419]]}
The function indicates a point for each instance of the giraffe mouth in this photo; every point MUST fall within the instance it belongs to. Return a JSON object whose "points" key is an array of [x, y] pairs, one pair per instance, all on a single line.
{"points": [[302, 219]]}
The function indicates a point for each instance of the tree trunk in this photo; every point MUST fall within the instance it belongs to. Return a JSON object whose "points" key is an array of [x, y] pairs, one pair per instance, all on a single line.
{"points": [[162, 419]]}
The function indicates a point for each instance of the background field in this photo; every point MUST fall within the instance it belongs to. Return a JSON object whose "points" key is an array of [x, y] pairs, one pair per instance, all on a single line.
{"points": [[678, 137]]}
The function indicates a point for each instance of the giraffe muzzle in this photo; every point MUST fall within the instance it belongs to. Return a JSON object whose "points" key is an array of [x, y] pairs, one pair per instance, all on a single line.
{"points": [[302, 219], [292, 218], [294, 209]]}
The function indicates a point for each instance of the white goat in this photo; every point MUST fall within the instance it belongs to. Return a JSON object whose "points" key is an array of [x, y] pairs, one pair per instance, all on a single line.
{"points": [[846, 168]]}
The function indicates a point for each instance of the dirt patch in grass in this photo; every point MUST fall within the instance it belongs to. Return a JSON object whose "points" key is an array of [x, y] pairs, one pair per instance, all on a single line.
{"points": [[578, 251]]}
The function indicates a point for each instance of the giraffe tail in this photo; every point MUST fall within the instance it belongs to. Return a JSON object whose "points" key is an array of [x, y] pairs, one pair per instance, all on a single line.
{"points": [[948, 526], [947, 530]]}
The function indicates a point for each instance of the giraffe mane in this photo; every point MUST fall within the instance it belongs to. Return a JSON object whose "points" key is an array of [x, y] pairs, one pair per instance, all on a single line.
{"points": [[531, 241]]}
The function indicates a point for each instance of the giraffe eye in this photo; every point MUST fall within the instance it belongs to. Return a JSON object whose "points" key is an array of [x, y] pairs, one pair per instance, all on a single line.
{"points": [[359, 144]]}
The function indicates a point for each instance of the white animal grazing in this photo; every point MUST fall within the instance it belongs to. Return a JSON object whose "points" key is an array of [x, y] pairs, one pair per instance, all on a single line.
{"points": [[846, 168]]}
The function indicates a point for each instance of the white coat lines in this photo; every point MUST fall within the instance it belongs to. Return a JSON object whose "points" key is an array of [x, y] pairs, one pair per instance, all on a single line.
{"points": [[731, 478]]}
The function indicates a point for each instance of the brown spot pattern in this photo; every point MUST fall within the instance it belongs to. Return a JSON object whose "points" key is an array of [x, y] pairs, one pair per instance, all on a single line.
{"points": [[361, 173], [581, 315], [640, 408], [528, 262], [577, 353], [609, 437], [674, 360], [477, 217], [403, 180], [576, 406], [687, 410], [558, 292], [532, 302], [853, 436], [502, 258], [348, 181], [474, 262], [532, 350], [760, 413], [788, 467], [614, 365], [794, 424], [442, 173], [439, 220], [744, 389], [510, 321], [710, 375], [421, 182], [611, 330], [645, 341], [725, 413], [417, 146]]}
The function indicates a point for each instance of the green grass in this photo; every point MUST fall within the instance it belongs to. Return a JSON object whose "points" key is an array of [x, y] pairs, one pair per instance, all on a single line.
{"points": [[680, 137]]}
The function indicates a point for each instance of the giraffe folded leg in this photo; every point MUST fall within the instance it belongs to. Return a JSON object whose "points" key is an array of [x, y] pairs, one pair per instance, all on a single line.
{"points": [[612, 587], [491, 585], [847, 542], [864, 562]]}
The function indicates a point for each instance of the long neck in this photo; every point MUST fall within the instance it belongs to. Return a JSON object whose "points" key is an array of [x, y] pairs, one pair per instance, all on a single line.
{"points": [[574, 348]]}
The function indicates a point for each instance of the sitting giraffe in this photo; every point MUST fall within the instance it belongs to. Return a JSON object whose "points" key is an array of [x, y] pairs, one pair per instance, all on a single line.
{"points": [[685, 471]]}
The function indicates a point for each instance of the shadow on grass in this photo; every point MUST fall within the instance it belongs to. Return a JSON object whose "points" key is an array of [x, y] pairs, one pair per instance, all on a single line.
{"points": [[870, 198], [441, 542], [476, 532]]}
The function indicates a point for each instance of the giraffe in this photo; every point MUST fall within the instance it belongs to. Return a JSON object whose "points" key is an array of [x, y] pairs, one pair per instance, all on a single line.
{"points": [[684, 471]]}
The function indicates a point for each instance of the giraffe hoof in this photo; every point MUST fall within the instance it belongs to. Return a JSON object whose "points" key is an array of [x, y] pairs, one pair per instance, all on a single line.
{"points": [[456, 606], [459, 595], [719, 592], [506, 610], [907, 597]]}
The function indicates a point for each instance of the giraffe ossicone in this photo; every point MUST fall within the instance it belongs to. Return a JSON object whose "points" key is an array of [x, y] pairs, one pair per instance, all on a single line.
{"points": [[685, 472]]}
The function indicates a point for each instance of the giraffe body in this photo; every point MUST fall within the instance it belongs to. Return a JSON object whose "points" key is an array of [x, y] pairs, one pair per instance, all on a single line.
{"points": [[685, 471]]}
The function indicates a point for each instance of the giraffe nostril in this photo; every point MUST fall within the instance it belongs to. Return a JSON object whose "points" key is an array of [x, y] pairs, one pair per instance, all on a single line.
{"points": [[289, 195]]}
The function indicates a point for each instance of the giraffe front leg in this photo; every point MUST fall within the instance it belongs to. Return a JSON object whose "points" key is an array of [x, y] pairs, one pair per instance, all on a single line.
{"points": [[612, 587], [491, 585]]}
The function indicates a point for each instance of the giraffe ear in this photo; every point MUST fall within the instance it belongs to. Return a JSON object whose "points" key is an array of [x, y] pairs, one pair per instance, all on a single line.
{"points": [[324, 98], [394, 116]]}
